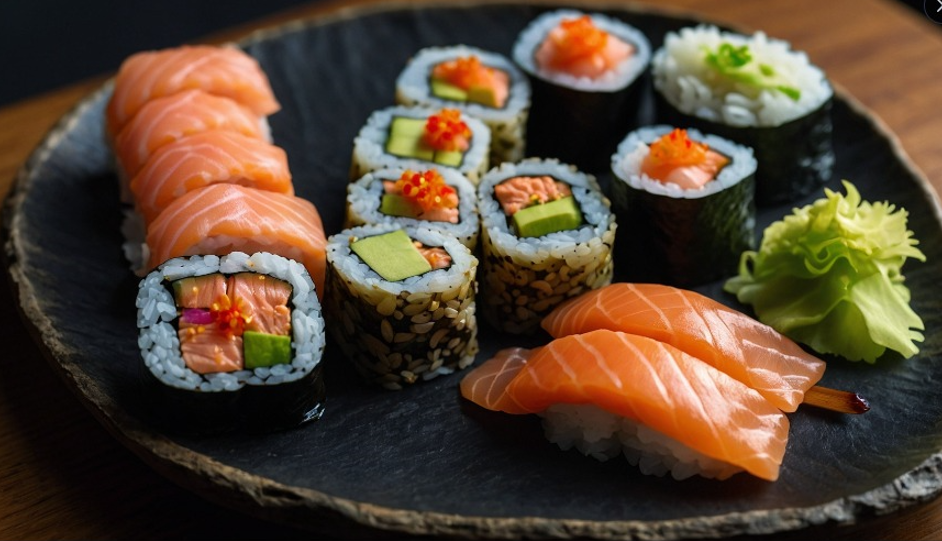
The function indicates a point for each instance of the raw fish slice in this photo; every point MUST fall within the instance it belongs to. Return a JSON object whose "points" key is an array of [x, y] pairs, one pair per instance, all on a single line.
{"points": [[223, 71], [167, 119], [643, 380], [223, 218], [731, 341], [212, 157]]}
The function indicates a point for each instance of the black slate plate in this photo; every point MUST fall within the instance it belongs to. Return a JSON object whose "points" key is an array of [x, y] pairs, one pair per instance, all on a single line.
{"points": [[422, 460]]}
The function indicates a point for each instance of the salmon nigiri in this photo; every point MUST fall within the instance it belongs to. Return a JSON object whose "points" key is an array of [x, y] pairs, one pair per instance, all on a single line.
{"points": [[223, 71], [223, 218], [164, 120], [210, 157], [610, 390], [731, 341]]}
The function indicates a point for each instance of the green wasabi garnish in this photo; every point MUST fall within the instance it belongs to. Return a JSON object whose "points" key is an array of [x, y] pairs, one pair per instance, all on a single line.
{"points": [[829, 275], [736, 64]]}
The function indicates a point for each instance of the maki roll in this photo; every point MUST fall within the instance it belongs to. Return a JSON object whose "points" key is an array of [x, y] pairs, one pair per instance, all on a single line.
{"points": [[588, 76], [231, 343], [755, 91], [419, 138], [440, 199], [483, 84], [546, 235], [688, 200], [403, 302]]}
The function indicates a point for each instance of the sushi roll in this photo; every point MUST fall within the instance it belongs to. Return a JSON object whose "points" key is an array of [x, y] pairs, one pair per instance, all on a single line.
{"points": [[483, 84], [420, 138], [608, 394], [547, 234], [231, 343], [688, 200], [403, 302], [588, 73], [756, 91], [441, 199]]}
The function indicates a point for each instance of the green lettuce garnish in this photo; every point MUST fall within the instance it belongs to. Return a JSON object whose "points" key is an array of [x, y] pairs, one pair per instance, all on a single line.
{"points": [[829, 276], [735, 63]]}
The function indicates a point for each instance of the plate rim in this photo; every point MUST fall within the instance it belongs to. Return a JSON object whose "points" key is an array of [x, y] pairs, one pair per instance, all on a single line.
{"points": [[265, 498]]}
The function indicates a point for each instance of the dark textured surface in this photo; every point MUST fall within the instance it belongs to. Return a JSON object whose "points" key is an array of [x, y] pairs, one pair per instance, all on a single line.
{"points": [[422, 460]]}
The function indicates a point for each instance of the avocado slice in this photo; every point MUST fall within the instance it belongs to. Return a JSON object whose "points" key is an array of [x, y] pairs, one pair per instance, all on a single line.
{"points": [[405, 139], [538, 220], [392, 255], [447, 91], [397, 205], [451, 158], [261, 349]]}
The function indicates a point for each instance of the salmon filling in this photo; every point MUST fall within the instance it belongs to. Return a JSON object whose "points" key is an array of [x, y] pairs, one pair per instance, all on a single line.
{"points": [[581, 49], [520, 192], [480, 83], [676, 159], [233, 323]]}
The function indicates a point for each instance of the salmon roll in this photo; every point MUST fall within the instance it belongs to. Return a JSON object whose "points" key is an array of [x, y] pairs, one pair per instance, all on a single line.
{"points": [[756, 91], [212, 157], [440, 199], [588, 74], [223, 71], [420, 138], [164, 120], [689, 200], [547, 233], [223, 218], [483, 84], [402, 300], [231, 343]]}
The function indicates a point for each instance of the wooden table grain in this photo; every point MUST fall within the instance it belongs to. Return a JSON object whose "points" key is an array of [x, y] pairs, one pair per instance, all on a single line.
{"points": [[63, 476]]}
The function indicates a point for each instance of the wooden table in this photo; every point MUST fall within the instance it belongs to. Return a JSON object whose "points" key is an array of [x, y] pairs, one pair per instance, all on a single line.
{"points": [[63, 475]]}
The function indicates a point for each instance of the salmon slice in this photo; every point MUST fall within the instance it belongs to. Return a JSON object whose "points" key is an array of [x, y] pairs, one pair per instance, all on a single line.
{"points": [[734, 343], [516, 193], [223, 218], [264, 301], [579, 48], [469, 74], [222, 71], [207, 349], [211, 157], [675, 158], [168, 119], [644, 380]]}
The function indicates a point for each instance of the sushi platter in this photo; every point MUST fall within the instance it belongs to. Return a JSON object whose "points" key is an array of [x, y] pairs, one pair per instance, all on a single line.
{"points": [[422, 459]]}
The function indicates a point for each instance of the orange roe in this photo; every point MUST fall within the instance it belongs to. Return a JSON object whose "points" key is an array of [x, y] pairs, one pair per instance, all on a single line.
{"points": [[579, 39], [446, 131], [676, 149], [427, 190], [463, 72], [229, 315]]}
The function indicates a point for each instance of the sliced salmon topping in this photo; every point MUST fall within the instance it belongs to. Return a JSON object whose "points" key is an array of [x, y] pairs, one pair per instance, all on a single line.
{"points": [[675, 158], [520, 192], [436, 256], [581, 49]]}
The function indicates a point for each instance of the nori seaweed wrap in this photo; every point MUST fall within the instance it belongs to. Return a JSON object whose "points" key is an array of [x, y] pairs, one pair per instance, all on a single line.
{"points": [[577, 118], [682, 236]]}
